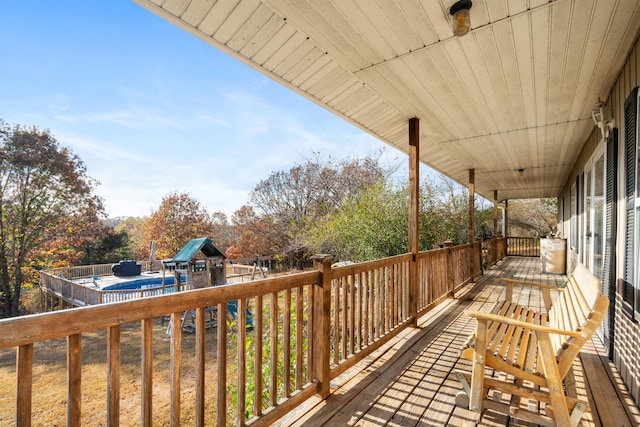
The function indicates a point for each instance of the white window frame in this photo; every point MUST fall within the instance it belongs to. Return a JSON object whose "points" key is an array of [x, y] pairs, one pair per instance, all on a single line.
{"points": [[588, 188]]}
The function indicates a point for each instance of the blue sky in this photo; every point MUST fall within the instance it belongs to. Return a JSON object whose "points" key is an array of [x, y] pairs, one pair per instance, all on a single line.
{"points": [[151, 109]]}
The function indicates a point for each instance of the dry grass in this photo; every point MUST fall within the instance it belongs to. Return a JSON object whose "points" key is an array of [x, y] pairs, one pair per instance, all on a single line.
{"points": [[50, 376]]}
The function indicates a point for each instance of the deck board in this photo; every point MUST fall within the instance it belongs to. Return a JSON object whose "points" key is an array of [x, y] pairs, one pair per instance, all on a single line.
{"points": [[411, 381]]}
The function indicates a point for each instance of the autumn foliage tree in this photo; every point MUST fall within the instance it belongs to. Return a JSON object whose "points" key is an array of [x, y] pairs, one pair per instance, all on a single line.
{"points": [[254, 235], [179, 219], [46, 197], [287, 202], [133, 227]]}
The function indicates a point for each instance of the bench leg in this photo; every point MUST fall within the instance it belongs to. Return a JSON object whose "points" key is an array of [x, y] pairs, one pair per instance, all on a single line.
{"points": [[554, 381], [577, 413], [476, 394], [462, 397]]}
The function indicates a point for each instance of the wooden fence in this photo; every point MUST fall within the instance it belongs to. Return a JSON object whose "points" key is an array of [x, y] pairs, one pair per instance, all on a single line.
{"points": [[305, 329]]}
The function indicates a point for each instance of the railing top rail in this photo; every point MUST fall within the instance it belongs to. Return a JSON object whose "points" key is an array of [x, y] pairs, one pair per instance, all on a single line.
{"points": [[29, 329], [461, 247], [432, 252], [338, 272]]}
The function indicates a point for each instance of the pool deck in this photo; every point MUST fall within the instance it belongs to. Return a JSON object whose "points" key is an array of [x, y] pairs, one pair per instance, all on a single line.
{"points": [[103, 282]]}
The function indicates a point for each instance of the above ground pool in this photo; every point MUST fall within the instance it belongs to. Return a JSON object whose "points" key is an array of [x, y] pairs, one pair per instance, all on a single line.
{"points": [[142, 284]]}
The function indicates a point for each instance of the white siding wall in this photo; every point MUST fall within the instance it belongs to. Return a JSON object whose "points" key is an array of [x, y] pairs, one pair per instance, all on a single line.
{"points": [[626, 332]]}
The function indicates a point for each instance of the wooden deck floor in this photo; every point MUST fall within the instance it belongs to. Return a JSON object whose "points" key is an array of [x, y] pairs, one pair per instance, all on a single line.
{"points": [[411, 381]]}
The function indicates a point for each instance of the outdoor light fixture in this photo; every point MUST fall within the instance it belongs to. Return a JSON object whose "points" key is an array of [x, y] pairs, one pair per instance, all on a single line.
{"points": [[521, 172], [601, 115], [460, 20]]}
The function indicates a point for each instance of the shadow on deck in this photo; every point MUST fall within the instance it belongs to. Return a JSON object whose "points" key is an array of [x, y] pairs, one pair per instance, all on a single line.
{"points": [[411, 380]]}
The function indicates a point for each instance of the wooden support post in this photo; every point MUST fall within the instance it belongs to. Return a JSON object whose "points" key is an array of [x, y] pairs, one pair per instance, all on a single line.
{"points": [[495, 213], [321, 324], [472, 220], [472, 212], [451, 284], [494, 247], [506, 219], [414, 212]]}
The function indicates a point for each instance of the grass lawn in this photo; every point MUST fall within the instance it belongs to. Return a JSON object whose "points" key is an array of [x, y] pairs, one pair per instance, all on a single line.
{"points": [[50, 377]]}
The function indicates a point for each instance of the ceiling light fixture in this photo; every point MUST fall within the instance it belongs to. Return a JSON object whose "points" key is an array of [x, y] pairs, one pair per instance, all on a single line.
{"points": [[460, 20]]}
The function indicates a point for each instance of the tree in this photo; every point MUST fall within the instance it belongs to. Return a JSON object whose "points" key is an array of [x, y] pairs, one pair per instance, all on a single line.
{"points": [[374, 223], [133, 227], [532, 217], [179, 219], [111, 247], [295, 199], [43, 188], [222, 232], [71, 240], [253, 235]]}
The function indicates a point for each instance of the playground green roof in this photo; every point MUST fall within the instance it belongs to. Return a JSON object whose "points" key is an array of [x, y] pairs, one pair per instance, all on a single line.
{"points": [[204, 244]]}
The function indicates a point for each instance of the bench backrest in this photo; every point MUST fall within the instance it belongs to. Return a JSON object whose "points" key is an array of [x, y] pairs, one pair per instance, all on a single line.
{"points": [[580, 307]]}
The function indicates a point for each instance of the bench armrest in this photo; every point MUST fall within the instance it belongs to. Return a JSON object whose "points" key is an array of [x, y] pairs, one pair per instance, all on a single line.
{"points": [[480, 315], [544, 288]]}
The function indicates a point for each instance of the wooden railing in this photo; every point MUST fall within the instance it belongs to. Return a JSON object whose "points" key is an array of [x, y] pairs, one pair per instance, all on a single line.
{"points": [[305, 329], [523, 246]]}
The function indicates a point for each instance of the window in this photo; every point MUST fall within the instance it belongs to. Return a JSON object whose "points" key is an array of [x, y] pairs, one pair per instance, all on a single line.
{"points": [[574, 216], [563, 218], [593, 239]]}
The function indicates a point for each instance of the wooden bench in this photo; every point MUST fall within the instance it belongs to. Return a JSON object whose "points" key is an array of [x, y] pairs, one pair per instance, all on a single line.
{"points": [[532, 352]]}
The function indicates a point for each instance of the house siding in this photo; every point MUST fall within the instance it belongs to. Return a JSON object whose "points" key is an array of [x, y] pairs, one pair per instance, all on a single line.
{"points": [[626, 335]]}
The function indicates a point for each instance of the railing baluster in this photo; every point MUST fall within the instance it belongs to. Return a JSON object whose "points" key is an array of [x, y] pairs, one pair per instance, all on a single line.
{"points": [[147, 372], [335, 284], [286, 343], [299, 336], [311, 332], [24, 374], [74, 379], [273, 386], [352, 311], [175, 366], [366, 308], [200, 364], [242, 360], [113, 376], [257, 373], [378, 302], [221, 353], [344, 317], [360, 300]]}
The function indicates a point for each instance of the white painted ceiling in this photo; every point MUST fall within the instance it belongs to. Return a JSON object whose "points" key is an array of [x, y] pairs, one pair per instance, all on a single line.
{"points": [[516, 92]]}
